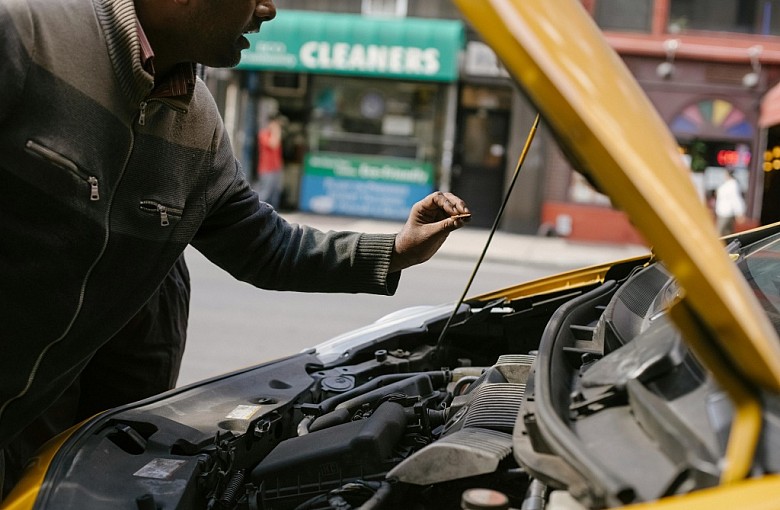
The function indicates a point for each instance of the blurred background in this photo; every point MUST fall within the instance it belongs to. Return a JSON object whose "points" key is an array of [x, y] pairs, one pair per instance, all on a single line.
{"points": [[386, 100]]}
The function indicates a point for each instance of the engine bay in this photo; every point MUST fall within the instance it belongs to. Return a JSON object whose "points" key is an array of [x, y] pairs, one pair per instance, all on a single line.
{"points": [[579, 398]]}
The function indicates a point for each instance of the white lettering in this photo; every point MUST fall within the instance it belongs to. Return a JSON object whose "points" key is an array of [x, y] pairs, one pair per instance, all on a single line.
{"points": [[376, 58], [390, 173], [414, 63], [370, 58], [395, 65], [357, 57], [270, 47], [308, 54], [339, 57], [323, 55], [432, 64]]}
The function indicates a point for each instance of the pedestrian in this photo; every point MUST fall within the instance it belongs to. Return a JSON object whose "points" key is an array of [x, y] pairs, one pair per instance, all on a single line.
{"points": [[270, 164], [729, 205], [113, 159]]}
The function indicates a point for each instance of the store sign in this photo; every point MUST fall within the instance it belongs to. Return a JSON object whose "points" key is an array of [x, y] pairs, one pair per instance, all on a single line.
{"points": [[319, 42], [733, 158], [363, 186], [360, 58], [481, 60]]}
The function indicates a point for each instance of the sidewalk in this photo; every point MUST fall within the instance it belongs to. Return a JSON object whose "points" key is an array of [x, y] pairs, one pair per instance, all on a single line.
{"points": [[469, 242]]}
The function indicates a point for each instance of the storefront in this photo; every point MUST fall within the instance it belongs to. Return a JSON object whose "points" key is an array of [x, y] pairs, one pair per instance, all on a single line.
{"points": [[370, 103], [769, 122], [483, 131], [711, 110]]}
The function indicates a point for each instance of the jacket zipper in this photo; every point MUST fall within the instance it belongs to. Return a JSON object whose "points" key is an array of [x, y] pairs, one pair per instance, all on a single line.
{"points": [[69, 165], [62, 162], [34, 370], [142, 113], [163, 210], [145, 103]]}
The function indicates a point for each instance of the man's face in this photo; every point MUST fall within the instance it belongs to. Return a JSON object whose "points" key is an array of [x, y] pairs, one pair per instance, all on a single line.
{"points": [[220, 27]]}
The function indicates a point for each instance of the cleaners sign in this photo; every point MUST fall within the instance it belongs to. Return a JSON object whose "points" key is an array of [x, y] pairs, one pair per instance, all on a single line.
{"points": [[363, 186], [319, 42]]}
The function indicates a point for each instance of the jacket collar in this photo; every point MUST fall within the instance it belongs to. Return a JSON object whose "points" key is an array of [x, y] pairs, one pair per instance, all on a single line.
{"points": [[119, 22]]}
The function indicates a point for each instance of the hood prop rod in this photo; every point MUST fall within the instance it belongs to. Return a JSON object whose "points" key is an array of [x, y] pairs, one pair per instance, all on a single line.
{"points": [[493, 229]]}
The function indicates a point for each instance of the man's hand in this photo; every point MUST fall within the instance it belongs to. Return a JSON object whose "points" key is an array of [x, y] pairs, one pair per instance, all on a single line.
{"points": [[430, 222]]}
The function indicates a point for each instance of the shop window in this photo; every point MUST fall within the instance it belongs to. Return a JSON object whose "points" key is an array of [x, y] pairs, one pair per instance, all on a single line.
{"points": [[771, 159], [624, 15], [714, 137], [285, 84], [379, 117], [395, 8], [770, 204], [760, 17], [710, 161]]}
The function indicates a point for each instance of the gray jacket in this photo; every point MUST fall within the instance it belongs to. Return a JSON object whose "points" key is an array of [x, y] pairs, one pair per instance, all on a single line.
{"points": [[101, 190]]}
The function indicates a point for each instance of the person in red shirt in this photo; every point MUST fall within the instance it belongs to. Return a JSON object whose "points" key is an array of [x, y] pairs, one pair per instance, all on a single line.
{"points": [[271, 163]]}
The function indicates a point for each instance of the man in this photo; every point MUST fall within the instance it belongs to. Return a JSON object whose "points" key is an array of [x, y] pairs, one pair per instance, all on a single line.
{"points": [[270, 162], [729, 205], [114, 158]]}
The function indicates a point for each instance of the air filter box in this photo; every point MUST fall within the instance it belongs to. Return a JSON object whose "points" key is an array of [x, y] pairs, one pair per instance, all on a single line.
{"points": [[326, 459]]}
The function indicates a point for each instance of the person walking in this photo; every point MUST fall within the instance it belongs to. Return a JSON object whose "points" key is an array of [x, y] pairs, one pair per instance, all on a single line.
{"points": [[270, 164], [114, 159], [729, 205]]}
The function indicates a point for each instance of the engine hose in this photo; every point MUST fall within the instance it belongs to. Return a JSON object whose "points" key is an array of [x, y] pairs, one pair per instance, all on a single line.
{"points": [[462, 383], [332, 410], [415, 386], [378, 500], [303, 425], [438, 378], [436, 417], [534, 496]]}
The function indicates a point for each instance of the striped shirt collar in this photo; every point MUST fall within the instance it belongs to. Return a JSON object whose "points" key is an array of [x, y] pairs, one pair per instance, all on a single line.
{"points": [[181, 80]]}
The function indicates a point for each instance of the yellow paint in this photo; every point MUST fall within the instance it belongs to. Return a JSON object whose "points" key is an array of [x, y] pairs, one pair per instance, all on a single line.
{"points": [[575, 279], [587, 96], [756, 494], [720, 110], [24, 494]]}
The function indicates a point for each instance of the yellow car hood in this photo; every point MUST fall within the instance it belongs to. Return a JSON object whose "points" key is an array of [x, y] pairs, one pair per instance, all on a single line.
{"points": [[609, 128]]}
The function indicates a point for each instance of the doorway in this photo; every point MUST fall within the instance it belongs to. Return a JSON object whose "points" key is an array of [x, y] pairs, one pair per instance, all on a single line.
{"points": [[479, 163]]}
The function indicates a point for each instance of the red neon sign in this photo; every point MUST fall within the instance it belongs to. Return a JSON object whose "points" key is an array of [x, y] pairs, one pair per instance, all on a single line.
{"points": [[731, 158]]}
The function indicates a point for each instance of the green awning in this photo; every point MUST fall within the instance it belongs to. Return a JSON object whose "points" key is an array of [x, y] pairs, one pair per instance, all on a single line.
{"points": [[320, 42]]}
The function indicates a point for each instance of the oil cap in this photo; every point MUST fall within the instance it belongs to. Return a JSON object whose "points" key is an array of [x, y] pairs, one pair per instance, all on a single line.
{"points": [[484, 499]]}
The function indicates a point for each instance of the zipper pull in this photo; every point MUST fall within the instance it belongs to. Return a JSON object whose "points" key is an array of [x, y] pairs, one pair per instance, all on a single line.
{"points": [[142, 114], [163, 215], [93, 189]]}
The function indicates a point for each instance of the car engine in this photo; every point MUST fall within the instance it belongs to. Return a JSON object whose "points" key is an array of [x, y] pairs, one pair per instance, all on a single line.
{"points": [[584, 397]]}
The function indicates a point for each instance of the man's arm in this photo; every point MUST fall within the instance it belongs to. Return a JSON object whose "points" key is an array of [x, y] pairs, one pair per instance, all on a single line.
{"points": [[252, 242]]}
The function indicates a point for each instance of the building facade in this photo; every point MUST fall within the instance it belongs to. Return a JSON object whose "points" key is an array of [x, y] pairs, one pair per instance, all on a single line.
{"points": [[708, 67], [386, 100]]}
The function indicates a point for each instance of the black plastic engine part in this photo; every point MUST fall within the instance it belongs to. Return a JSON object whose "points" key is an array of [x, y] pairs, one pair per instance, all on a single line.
{"points": [[320, 461]]}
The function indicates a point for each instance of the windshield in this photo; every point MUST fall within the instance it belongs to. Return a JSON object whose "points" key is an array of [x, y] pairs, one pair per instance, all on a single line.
{"points": [[761, 267]]}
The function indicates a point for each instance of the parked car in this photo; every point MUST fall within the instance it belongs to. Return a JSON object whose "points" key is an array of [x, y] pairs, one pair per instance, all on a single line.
{"points": [[649, 380]]}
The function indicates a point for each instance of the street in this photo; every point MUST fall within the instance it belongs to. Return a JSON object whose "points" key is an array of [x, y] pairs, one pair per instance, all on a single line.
{"points": [[234, 325]]}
